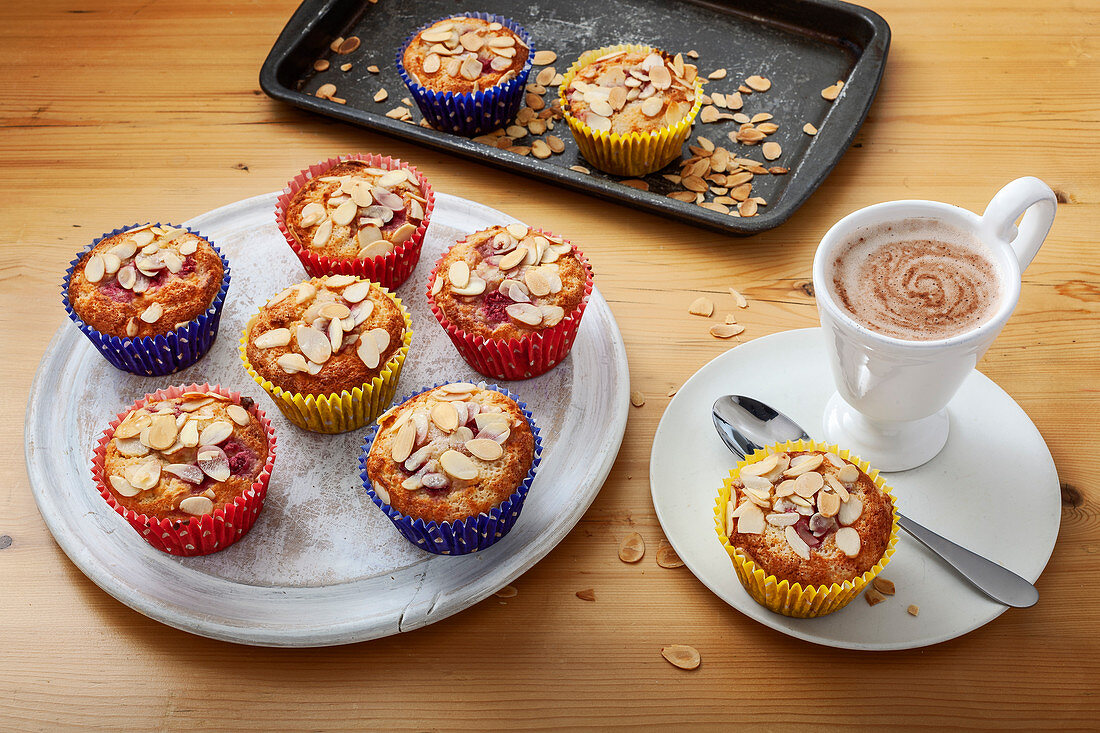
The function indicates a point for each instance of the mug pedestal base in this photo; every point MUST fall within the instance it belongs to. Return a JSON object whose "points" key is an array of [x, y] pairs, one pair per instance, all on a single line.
{"points": [[887, 446]]}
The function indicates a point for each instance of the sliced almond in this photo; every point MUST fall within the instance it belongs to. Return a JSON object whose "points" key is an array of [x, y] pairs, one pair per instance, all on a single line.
{"points": [[701, 307], [196, 506], [153, 313], [459, 273], [458, 465], [850, 511], [797, 543], [847, 540], [832, 92], [445, 416], [873, 597], [94, 268], [637, 398], [759, 468], [216, 432], [827, 503], [884, 586], [726, 330], [162, 432], [849, 474], [238, 414], [314, 344], [485, 449], [543, 58], [588, 594], [368, 351], [751, 519], [272, 339], [771, 150], [913, 610], [123, 487], [809, 129], [809, 483], [333, 311], [355, 292], [803, 464], [632, 548], [682, 656], [292, 363], [758, 83], [667, 557], [717, 74]]}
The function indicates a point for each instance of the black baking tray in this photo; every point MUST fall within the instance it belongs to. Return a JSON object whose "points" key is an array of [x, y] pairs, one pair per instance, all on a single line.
{"points": [[802, 46]]}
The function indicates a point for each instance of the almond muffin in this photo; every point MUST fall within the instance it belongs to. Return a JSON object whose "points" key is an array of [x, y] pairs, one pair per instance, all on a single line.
{"points": [[450, 453], [464, 54], [467, 72], [507, 282], [187, 467], [629, 91], [809, 517], [630, 108], [145, 281], [329, 351], [186, 456]]}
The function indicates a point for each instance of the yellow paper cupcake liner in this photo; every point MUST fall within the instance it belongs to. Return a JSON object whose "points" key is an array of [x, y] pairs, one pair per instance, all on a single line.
{"points": [[348, 410], [781, 596], [635, 153]]}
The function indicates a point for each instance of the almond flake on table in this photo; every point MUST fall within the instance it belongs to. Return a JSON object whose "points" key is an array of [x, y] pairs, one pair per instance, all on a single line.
{"points": [[508, 591], [701, 307], [632, 548], [588, 594], [637, 398], [681, 655]]}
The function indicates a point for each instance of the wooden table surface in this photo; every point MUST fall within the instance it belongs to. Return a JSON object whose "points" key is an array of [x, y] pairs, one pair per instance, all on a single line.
{"points": [[115, 110]]}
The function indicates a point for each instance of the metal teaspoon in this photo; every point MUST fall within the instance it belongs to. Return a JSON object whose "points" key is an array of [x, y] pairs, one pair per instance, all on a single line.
{"points": [[746, 425]]}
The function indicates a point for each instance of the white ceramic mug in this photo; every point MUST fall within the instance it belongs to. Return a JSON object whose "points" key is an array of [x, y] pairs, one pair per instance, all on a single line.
{"points": [[892, 394]]}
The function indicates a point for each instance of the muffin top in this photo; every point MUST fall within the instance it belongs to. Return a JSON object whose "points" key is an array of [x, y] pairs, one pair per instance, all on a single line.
{"points": [[146, 281], [325, 335], [809, 517], [451, 452], [356, 211], [185, 456], [462, 55], [509, 281], [632, 91]]}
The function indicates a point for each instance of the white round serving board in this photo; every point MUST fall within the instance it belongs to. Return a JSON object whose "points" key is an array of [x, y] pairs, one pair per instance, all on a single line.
{"points": [[322, 565], [993, 489]]}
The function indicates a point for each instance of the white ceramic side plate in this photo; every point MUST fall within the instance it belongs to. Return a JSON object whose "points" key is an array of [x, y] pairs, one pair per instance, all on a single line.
{"points": [[993, 489], [322, 565]]}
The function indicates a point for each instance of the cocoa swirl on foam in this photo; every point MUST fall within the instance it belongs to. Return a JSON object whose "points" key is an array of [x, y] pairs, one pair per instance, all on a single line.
{"points": [[917, 280]]}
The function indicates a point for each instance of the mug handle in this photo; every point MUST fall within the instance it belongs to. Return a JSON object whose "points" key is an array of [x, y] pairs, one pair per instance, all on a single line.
{"points": [[1032, 198]]}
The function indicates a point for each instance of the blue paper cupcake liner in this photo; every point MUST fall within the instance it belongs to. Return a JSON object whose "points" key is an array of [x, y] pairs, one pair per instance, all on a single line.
{"points": [[153, 356], [472, 113], [465, 535]]}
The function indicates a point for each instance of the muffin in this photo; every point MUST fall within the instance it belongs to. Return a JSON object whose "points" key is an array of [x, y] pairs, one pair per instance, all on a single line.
{"points": [[329, 351], [807, 527], [451, 465], [148, 297], [511, 299], [187, 467], [630, 108], [362, 215], [467, 72]]}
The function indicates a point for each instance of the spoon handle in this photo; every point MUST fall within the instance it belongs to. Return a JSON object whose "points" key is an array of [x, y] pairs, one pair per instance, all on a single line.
{"points": [[999, 583]]}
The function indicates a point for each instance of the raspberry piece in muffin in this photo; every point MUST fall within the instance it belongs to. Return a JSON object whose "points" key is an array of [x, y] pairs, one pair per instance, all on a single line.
{"points": [[146, 281], [185, 456], [461, 55], [357, 211], [507, 282], [450, 453], [809, 517], [632, 91], [325, 335]]}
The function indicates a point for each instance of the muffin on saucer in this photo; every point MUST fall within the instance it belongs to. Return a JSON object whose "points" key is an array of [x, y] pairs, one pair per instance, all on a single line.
{"points": [[451, 465], [362, 215], [148, 297], [630, 108], [511, 298], [329, 351], [807, 526], [187, 467], [467, 72]]}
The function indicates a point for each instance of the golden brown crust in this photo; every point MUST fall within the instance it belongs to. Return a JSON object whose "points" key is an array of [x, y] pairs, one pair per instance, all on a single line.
{"points": [[245, 449], [826, 564], [380, 221], [299, 307], [456, 498], [436, 62], [492, 313], [181, 296], [621, 93]]}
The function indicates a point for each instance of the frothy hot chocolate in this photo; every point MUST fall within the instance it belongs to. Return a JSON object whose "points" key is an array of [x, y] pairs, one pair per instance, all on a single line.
{"points": [[916, 279]]}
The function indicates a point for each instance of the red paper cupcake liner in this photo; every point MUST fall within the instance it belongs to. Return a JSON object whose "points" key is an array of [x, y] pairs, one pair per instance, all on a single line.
{"points": [[388, 270], [524, 358], [201, 535]]}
